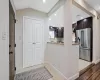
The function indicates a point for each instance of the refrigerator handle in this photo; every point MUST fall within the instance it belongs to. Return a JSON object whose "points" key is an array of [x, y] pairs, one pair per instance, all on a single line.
{"points": [[78, 39], [81, 44]]}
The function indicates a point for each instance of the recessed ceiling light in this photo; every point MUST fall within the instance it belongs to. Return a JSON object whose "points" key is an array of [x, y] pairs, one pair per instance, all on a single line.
{"points": [[49, 19], [81, 17], [44, 1], [73, 22], [55, 14]]}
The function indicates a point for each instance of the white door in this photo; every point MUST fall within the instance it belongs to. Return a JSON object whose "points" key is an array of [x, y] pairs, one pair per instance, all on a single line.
{"points": [[33, 42], [38, 41]]}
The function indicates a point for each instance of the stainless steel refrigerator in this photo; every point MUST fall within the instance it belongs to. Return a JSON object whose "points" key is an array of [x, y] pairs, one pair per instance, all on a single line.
{"points": [[84, 38]]}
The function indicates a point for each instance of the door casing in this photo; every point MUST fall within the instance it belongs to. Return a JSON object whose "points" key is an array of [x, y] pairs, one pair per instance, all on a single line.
{"points": [[42, 35], [11, 42]]}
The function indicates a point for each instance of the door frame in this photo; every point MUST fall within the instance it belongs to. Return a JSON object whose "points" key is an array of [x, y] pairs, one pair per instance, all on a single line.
{"points": [[11, 10], [23, 35]]}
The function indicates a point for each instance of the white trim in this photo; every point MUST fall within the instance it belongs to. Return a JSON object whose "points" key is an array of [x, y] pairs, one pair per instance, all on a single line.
{"points": [[61, 74], [83, 6], [42, 38], [56, 7], [74, 77], [57, 71], [12, 2], [23, 41], [97, 61], [33, 18]]}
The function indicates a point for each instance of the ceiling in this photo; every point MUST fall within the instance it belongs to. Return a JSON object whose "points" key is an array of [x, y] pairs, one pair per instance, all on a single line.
{"points": [[41, 5], [95, 4], [78, 14]]}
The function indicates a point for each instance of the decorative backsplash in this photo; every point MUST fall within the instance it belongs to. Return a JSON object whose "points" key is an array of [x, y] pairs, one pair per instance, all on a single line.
{"points": [[56, 34]]}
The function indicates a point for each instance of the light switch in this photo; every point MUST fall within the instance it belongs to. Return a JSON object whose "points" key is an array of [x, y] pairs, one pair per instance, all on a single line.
{"points": [[4, 35], [20, 38]]}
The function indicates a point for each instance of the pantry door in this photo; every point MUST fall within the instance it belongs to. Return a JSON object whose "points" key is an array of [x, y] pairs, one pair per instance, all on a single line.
{"points": [[32, 42]]}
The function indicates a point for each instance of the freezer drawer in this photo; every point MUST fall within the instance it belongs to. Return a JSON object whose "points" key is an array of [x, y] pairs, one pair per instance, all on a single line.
{"points": [[85, 54]]}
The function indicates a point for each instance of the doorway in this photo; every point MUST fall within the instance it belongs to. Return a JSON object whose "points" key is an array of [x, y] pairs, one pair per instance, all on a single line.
{"points": [[11, 42], [32, 42], [83, 35]]}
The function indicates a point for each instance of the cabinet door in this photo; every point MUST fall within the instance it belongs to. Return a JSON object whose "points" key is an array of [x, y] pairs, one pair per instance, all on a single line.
{"points": [[80, 25], [85, 23], [88, 22]]}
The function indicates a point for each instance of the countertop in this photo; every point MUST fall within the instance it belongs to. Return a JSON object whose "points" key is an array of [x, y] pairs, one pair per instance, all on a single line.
{"points": [[75, 43], [59, 43]]}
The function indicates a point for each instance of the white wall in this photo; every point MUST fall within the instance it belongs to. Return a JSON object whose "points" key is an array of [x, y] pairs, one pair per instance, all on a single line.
{"points": [[96, 31], [64, 58], [19, 32], [58, 19], [4, 44], [70, 68], [99, 39], [96, 40], [77, 11], [70, 62], [55, 56]]}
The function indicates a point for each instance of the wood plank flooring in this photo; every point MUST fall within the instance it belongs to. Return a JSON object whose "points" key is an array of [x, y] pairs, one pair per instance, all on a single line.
{"points": [[92, 73]]}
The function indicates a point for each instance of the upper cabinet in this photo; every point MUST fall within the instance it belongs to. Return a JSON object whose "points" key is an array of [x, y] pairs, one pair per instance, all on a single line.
{"points": [[74, 26], [85, 23]]}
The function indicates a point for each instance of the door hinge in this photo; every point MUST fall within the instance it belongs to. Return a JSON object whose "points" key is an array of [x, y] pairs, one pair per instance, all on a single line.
{"points": [[15, 45], [10, 52], [15, 68], [9, 45], [15, 20]]}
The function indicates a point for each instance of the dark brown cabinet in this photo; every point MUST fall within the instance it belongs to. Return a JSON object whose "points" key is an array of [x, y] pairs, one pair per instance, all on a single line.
{"points": [[74, 26], [85, 23], [82, 24]]}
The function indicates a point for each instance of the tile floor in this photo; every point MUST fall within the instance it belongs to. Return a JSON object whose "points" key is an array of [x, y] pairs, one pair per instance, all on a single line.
{"points": [[30, 68], [82, 65], [51, 79]]}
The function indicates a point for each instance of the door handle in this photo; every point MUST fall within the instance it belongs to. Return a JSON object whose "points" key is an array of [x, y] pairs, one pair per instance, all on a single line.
{"points": [[34, 43]]}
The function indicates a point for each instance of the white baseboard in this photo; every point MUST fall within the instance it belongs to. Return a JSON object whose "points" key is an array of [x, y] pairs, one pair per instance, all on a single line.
{"points": [[28, 68], [97, 61], [74, 77], [57, 73]]}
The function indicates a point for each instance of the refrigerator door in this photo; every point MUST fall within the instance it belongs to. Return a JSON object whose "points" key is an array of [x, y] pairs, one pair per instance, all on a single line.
{"points": [[85, 44], [85, 54], [85, 39], [78, 35]]}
